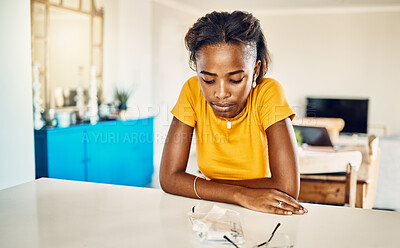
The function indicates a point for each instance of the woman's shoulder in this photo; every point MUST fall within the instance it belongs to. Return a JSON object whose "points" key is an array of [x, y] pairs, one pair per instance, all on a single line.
{"points": [[192, 85], [268, 82], [192, 81], [269, 85], [191, 89]]}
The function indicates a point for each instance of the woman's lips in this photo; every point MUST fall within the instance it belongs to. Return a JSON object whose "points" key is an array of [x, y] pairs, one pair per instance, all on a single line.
{"points": [[223, 107]]}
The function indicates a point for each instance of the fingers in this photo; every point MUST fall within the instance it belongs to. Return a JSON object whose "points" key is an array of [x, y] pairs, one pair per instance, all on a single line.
{"points": [[289, 203], [281, 211], [288, 209], [271, 201]]}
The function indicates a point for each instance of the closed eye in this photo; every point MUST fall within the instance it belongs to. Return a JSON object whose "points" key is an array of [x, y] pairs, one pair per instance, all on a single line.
{"points": [[209, 82], [237, 81]]}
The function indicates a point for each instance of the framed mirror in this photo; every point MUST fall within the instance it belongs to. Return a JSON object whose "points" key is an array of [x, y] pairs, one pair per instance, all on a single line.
{"points": [[67, 40]]}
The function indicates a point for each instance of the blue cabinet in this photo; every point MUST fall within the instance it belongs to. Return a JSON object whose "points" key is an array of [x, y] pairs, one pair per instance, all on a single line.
{"points": [[115, 152], [66, 153]]}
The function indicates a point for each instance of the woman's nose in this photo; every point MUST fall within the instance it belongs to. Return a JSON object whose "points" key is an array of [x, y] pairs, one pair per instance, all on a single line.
{"points": [[222, 91]]}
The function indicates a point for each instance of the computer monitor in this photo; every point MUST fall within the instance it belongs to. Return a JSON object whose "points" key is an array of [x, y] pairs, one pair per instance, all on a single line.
{"points": [[354, 112]]}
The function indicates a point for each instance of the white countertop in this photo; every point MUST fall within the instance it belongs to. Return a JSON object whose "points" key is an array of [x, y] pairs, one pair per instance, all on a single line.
{"points": [[58, 213]]}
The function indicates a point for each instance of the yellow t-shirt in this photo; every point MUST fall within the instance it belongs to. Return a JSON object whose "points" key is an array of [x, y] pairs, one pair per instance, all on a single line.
{"points": [[240, 152]]}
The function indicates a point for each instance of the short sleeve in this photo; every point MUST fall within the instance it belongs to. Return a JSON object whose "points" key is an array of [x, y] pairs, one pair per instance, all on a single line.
{"points": [[184, 108], [272, 104]]}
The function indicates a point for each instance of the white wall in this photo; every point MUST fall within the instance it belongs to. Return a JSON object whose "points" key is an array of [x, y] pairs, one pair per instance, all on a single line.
{"points": [[170, 66], [340, 55], [127, 52], [16, 125]]}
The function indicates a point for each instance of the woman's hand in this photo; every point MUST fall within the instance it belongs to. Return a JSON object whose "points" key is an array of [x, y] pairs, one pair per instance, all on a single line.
{"points": [[270, 201]]}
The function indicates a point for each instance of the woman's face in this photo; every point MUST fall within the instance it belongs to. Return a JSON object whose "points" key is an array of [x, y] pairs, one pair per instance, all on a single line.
{"points": [[226, 73]]}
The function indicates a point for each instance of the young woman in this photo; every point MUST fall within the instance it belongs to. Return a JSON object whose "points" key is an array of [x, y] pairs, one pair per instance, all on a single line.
{"points": [[246, 147]]}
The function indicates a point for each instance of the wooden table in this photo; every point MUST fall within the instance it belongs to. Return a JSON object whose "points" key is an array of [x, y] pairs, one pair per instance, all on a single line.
{"points": [[58, 213]]}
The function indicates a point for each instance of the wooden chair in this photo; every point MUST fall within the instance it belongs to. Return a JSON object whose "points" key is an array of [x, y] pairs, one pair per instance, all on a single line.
{"points": [[316, 167], [367, 177]]}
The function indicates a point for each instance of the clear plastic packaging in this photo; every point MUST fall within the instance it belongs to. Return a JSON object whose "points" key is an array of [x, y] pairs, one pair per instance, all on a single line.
{"points": [[211, 223]]}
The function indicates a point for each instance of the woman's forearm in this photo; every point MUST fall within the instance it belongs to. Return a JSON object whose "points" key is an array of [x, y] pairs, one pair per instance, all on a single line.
{"points": [[264, 183], [183, 184], [259, 199]]}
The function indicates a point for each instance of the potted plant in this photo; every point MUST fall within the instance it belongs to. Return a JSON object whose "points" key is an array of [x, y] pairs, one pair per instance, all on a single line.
{"points": [[122, 96], [299, 138]]}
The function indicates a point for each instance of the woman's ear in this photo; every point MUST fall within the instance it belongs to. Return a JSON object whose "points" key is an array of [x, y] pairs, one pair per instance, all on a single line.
{"points": [[257, 68]]}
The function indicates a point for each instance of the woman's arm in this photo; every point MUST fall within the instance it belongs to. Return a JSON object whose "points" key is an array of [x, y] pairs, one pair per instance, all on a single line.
{"points": [[175, 180], [283, 161]]}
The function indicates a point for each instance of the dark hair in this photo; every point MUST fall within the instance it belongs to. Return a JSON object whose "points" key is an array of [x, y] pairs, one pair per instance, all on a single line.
{"points": [[237, 27]]}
